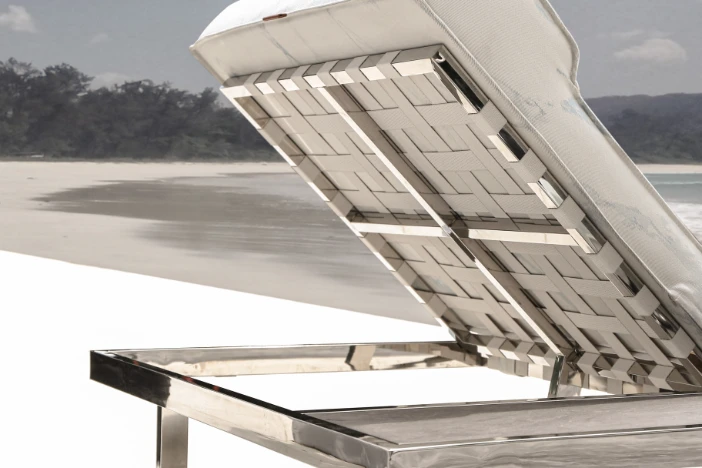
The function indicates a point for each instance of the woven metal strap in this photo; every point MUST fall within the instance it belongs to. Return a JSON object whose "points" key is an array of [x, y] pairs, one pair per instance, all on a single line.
{"points": [[429, 174]]}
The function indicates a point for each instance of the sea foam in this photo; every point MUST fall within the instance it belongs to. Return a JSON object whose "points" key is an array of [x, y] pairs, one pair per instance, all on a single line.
{"points": [[691, 214]]}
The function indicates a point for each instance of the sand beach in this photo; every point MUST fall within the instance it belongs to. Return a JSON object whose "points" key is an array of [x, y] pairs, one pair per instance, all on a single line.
{"points": [[251, 227]]}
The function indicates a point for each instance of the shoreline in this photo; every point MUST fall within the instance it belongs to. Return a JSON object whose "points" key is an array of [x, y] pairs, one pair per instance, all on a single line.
{"points": [[244, 167], [670, 168]]}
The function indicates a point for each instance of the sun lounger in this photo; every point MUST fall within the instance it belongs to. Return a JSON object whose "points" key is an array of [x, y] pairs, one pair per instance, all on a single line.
{"points": [[452, 139]]}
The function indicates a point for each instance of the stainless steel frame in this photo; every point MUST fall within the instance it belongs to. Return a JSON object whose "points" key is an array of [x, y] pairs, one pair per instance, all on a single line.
{"points": [[171, 439], [531, 291], [483, 259], [552, 432]]}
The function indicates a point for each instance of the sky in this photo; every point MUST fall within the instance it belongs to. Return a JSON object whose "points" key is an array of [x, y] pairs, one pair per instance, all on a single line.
{"points": [[627, 46]]}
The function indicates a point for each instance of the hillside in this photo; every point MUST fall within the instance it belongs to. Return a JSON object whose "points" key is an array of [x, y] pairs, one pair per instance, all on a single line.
{"points": [[655, 129]]}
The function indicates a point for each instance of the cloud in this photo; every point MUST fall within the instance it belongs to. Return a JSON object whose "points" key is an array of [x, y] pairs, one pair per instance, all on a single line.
{"points": [[18, 19], [99, 38], [627, 35], [654, 50], [109, 79]]}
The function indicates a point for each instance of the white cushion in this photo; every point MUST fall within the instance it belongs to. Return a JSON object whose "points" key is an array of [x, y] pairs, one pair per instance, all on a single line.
{"points": [[245, 12]]}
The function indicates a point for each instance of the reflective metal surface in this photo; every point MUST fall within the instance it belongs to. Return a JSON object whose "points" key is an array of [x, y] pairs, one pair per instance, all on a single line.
{"points": [[524, 237], [679, 448], [414, 157], [485, 423], [372, 135], [448, 435], [226, 362], [171, 439], [417, 161], [250, 419]]}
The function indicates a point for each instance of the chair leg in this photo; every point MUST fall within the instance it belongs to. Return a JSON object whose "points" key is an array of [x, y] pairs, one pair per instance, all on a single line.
{"points": [[172, 440], [557, 388]]}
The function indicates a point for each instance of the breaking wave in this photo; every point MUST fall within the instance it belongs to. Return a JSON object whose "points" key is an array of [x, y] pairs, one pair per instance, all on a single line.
{"points": [[691, 214]]}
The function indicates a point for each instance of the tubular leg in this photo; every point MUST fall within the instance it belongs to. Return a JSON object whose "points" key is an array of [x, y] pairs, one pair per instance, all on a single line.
{"points": [[556, 377], [172, 440], [558, 387]]}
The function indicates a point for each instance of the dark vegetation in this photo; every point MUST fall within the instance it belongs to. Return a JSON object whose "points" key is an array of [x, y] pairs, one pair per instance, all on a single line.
{"points": [[655, 129], [55, 112]]}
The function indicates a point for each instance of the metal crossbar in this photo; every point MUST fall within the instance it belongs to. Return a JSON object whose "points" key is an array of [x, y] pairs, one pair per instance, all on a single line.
{"points": [[393, 437]]}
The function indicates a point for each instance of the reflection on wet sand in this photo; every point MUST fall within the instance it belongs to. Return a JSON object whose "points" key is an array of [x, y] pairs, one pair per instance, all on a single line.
{"points": [[253, 228], [266, 226]]}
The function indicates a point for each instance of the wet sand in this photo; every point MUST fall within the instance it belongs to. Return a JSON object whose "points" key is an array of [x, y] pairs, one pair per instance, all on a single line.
{"points": [[245, 227], [248, 227]]}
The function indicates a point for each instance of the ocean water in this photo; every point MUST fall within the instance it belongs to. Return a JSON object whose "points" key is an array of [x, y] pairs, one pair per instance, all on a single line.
{"points": [[683, 192]]}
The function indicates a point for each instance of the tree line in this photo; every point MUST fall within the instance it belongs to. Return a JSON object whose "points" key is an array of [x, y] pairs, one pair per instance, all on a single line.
{"points": [[54, 112]]}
